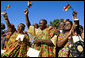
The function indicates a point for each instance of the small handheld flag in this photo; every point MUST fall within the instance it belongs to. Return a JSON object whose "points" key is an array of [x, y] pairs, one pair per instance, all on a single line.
{"points": [[8, 7], [67, 7], [29, 4]]}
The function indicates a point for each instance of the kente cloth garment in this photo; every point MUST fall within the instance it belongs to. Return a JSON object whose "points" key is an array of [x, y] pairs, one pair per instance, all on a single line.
{"points": [[33, 31], [64, 52], [46, 34], [4, 38], [15, 48]]}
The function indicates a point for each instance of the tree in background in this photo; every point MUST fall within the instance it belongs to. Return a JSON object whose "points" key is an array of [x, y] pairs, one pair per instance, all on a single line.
{"points": [[55, 23]]}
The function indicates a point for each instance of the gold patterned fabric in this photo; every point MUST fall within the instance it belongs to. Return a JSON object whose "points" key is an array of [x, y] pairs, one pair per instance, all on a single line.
{"points": [[15, 48], [46, 34]]}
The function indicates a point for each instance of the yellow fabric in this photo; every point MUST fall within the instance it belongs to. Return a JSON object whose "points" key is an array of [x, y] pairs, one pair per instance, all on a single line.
{"points": [[31, 30], [54, 40]]}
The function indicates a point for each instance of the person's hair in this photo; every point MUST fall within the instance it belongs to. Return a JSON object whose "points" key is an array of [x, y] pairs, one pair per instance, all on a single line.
{"points": [[67, 20], [81, 27], [35, 23], [22, 25], [3, 25], [70, 22], [44, 20]]}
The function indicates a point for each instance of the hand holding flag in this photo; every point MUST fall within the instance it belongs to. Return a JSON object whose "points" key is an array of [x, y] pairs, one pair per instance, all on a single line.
{"points": [[74, 14], [3, 13], [26, 11]]}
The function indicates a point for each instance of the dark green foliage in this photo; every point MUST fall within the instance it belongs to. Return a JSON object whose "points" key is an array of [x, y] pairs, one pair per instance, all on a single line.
{"points": [[55, 23]]}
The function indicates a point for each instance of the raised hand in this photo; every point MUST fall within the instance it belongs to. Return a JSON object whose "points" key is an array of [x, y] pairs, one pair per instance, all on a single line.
{"points": [[26, 11], [26, 17], [4, 15], [74, 14]]}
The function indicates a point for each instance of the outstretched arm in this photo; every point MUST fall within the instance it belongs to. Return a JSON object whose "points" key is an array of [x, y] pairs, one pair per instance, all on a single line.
{"points": [[11, 27], [27, 18], [6, 19]]}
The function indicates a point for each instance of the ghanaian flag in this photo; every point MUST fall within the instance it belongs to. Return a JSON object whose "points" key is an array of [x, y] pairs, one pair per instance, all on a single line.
{"points": [[67, 7], [29, 4], [7, 6]]}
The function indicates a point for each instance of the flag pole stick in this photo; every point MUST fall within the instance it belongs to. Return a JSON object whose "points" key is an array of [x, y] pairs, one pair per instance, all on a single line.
{"points": [[72, 19], [72, 8], [5, 10]]}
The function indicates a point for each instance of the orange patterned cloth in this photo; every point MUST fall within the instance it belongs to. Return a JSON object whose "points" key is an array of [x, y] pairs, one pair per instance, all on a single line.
{"points": [[16, 49], [46, 34], [64, 52], [4, 39]]}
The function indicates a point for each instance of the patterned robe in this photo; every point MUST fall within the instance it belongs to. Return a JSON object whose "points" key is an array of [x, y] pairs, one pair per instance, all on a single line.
{"points": [[16, 49], [64, 52], [46, 34], [4, 39]]}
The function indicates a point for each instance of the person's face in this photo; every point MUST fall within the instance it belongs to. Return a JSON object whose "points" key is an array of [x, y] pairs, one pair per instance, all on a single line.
{"points": [[61, 26], [20, 29], [80, 29], [42, 24], [67, 26]]}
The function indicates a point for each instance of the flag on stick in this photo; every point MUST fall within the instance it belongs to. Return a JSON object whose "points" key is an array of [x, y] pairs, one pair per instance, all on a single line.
{"points": [[67, 7], [29, 4], [7, 6]]}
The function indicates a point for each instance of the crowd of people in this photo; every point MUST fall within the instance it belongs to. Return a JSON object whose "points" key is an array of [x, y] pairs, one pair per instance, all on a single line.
{"points": [[51, 42]]}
